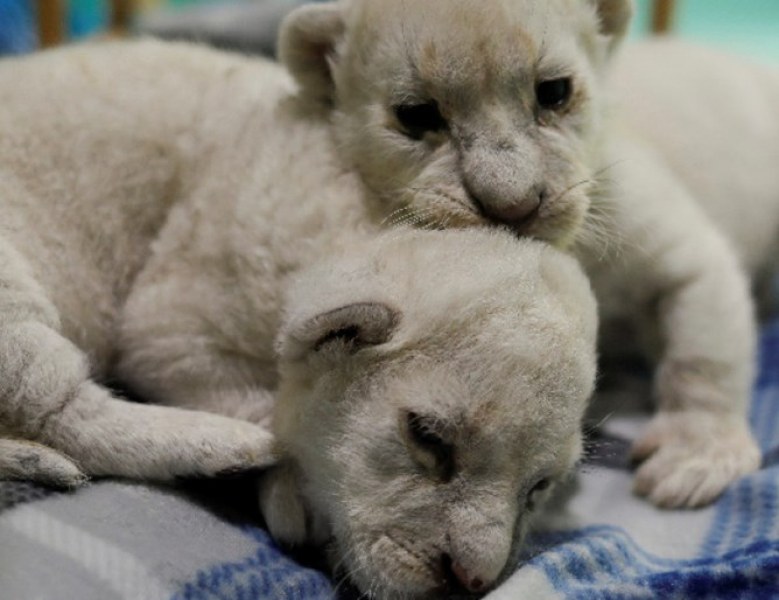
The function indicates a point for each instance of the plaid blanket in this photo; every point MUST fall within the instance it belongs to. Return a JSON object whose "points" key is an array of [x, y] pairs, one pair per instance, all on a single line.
{"points": [[123, 540]]}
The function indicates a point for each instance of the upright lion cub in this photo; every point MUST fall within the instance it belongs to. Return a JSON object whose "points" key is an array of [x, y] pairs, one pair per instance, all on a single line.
{"points": [[457, 113], [464, 113]]}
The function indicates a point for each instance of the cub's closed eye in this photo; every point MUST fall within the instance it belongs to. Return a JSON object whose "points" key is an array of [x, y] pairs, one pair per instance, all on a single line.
{"points": [[421, 433], [419, 119], [427, 440], [554, 94]]}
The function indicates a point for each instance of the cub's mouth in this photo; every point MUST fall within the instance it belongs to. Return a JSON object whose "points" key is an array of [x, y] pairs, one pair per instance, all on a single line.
{"points": [[522, 227], [433, 578], [554, 219], [437, 208]]}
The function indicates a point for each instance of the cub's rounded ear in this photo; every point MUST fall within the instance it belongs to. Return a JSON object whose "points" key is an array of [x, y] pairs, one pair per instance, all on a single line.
{"points": [[615, 16], [345, 329], [307, 41]]}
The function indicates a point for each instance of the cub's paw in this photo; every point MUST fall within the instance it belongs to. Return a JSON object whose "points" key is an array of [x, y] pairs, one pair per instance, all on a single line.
{"points": [[207, 445], [282, 507], [689, 458], [23, 460]]}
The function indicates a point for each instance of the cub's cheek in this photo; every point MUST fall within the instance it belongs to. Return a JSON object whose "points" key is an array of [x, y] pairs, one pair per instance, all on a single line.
{"points": [[562, 225]]}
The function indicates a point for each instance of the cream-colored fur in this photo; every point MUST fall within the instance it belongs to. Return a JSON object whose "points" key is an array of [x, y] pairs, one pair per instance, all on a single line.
{"points": [[187, 228], [86, 185], [694, 204], [224, 180], [491, 358], [491, 155], [667, 222]]}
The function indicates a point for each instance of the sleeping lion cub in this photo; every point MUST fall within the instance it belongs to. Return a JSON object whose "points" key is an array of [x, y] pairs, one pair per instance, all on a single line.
{"points": [[421, 426], [429, 386]]}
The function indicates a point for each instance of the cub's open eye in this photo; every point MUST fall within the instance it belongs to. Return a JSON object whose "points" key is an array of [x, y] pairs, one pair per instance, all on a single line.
{"points": [[428, 447], [419, 119], [540, 486], [554, 94]]}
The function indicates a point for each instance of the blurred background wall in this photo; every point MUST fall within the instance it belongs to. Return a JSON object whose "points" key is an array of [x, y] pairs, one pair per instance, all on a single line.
{"points": [[748, 27]]}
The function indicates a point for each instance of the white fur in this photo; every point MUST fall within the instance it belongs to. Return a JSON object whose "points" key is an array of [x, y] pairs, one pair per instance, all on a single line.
{"points": [[494, 355], [233, 182], [169, 248], [694, 208], [480, 63], [84, 191], [21, 459], [648, 206]]}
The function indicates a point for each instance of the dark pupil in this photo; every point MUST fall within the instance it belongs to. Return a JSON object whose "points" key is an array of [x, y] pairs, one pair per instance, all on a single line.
{"points": [[554, 93], [418, 119]]}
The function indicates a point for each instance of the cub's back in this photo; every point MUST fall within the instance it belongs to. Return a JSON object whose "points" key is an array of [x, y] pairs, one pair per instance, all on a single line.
{"points": [[715, 119], [97, 143]]}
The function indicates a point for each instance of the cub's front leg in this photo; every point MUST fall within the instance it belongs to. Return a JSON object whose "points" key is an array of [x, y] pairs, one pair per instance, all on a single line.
{"points": [[682, 278], [699, 441], [58, 425]]}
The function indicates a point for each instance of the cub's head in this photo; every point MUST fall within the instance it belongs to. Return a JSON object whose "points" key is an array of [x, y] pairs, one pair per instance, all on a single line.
{"points": [[431, 396], [458, 112]]}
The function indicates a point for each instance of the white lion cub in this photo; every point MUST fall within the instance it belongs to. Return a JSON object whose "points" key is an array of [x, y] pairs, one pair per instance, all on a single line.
{"points": [[422, 422], [428, 385]]}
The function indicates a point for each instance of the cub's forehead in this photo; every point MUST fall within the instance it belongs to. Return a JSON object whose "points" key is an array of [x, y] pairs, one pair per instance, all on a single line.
{"points": [[451, 39], [498, 398]]}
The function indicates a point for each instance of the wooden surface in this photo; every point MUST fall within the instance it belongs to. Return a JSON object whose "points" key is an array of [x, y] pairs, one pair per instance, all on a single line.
{"points": [[662, 15], [51, 21], [121, 12]]}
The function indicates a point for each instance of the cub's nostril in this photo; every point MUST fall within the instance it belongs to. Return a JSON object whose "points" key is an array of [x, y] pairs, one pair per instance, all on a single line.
{"points": [[472, 584], [450, 579], [456, 577]]}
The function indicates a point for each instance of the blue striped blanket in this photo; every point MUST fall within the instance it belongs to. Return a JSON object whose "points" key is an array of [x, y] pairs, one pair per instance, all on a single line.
{"points": [[122, 540]]}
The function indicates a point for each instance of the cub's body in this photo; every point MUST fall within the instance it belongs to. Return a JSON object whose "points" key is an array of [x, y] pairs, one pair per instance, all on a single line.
{"points": [[204, 245], [161, 164], [713, 120]]}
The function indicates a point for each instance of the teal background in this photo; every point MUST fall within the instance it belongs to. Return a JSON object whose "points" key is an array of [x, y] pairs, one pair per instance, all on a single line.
{"points": [[747, 27]]}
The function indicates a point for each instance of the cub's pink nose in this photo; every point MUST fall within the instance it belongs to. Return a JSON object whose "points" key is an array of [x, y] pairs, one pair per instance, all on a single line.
{"points": [[518, 212], [458, 576]]}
